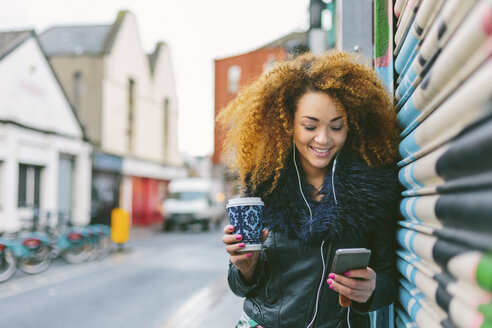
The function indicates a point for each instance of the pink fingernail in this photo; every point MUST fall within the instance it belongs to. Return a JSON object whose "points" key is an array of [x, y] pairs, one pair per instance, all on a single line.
{"points": [[241, 245], [231, 228], [249, 255], [332, 276], [329, 282], [239, 237], [347, 273], [331, 287]]}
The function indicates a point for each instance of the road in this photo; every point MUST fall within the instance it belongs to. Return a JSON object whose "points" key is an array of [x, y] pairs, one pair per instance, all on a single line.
{"points": [[159, 280]]}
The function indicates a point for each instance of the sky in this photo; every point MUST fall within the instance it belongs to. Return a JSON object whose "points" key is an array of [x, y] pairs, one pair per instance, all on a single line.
{"points": [[196, 31]]}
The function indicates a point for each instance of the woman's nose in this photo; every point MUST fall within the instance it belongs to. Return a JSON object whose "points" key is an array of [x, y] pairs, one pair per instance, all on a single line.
{"points": [[321, 138]]}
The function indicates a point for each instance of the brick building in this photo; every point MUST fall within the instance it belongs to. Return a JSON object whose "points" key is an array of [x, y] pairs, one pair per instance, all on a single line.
{"points": [[235, 72]]}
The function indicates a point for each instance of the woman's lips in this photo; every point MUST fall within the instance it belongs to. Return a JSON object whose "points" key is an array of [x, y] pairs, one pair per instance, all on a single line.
{"points": [[320, 152]]}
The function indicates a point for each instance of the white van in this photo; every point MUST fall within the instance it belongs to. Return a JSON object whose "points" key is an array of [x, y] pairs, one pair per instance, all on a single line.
{"points": [[194, 200]]}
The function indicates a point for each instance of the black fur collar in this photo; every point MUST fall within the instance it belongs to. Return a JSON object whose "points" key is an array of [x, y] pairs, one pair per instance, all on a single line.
{"points": [[366, 197]]}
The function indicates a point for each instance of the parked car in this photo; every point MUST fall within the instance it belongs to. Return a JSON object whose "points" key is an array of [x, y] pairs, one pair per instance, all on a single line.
{"points": [[194, 200]]}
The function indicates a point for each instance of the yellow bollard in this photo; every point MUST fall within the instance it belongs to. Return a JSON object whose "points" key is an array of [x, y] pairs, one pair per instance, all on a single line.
{"points": [[120, 225]]}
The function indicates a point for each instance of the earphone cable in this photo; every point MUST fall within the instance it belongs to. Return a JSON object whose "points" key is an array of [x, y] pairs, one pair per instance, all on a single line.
{"points": [[299, 180]]}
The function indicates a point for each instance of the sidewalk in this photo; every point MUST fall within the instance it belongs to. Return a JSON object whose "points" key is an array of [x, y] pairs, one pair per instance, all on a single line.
{"points": [[226, 313], [213, 306]]}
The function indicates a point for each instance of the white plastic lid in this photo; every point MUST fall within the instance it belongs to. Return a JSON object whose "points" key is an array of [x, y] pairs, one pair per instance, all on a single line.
{"points": [[245, 201]]}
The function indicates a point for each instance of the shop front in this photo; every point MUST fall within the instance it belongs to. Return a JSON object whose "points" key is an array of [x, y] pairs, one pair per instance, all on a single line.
{"points": [[106, 180]]}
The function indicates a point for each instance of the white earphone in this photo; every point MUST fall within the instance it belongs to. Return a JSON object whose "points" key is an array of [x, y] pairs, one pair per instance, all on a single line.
{"points": [[311, 220], [299, 177]]}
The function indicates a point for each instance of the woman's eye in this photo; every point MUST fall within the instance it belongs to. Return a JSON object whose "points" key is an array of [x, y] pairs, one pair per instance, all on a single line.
{"points": [[336, 128], [310, 128]]}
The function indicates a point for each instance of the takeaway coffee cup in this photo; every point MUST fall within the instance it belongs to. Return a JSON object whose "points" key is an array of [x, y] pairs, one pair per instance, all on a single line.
{"points": [[245, 214]]}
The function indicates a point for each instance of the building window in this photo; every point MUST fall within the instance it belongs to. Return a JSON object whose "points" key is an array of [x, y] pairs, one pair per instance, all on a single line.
{"points": [[131, 113], [165, 127], [29, 185], [233, 77], [77, 89], [270, 62], [66, 167]]}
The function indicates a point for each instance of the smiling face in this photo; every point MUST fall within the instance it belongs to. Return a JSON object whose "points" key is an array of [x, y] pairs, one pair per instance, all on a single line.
{"points": [[319, 131]]}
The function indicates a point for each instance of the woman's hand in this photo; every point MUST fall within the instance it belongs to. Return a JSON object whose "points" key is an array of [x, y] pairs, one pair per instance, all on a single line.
{"points": [[356, 285], [245, 262]]}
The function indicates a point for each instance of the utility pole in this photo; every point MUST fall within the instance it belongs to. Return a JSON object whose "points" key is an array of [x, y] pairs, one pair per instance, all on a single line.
{"points": [[316, 35], [354, 26]]}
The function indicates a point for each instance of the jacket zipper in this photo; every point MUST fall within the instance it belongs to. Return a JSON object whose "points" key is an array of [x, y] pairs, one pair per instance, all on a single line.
{"points": [[265, 259], [258, 306]]}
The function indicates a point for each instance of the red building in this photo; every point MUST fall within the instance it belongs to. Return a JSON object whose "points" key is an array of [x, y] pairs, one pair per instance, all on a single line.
{"points": [[233, 73], [147, 196]]}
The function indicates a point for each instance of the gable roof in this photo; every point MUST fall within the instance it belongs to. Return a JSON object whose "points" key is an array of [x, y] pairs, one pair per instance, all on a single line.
{"points": [[294, 43], [78, 40], [81, 39], [75, 40], [152, 57], [9, 40], [291, 39]]}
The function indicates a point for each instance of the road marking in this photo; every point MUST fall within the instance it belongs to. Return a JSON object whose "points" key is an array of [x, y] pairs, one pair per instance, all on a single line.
{"points": [[194, 312]]}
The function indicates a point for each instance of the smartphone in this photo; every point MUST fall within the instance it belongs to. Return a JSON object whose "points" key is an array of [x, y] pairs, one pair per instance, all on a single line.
{"points": [[347, 259]]}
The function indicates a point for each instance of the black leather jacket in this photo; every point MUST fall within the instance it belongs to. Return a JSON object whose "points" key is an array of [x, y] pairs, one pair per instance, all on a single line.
{"points": [[290, 288]]}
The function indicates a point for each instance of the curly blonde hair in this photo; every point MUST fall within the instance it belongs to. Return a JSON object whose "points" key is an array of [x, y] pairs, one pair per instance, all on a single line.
{"points": [[259, 121]]}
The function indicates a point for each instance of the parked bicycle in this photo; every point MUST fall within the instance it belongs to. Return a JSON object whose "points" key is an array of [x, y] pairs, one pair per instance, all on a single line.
{"points": [[99, 240], [27, 249], [31, 247], [77, 244], [67, 241], [8, 263]]}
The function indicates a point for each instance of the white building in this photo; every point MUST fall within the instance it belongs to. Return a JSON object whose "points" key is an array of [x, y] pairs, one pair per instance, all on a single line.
{"points": [[44, 155], [127, 102]]}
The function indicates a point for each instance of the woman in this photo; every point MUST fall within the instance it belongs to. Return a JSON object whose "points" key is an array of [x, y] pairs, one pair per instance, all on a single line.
{"points": [[316, 138]]}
